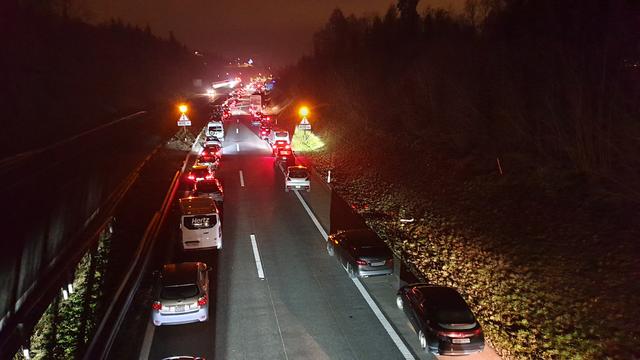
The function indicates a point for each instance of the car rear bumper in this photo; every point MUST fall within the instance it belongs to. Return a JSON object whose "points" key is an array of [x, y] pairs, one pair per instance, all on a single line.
{"points": [[202, 244], [376, 272], [160, 319], [460, 349]]}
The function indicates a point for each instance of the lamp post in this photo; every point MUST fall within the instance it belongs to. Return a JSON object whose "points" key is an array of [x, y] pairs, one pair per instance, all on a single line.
{"points": [[183, 108]]}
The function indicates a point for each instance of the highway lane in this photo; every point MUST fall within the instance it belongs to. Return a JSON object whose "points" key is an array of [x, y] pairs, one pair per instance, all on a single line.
{"points": [[304, 308]]}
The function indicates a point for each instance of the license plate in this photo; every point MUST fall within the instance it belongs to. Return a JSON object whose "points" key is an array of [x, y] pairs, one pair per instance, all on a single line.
{"points": [[461, 341], [180, 308], [378, 263], [298, 186]]}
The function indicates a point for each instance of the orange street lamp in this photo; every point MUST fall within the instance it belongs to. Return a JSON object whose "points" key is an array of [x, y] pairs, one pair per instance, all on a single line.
{"points": [[183, 108], [303, 111]]}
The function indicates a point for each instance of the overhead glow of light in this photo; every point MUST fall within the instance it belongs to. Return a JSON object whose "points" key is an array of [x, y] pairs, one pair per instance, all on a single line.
{"points": [[303, 111], [183, 108]]}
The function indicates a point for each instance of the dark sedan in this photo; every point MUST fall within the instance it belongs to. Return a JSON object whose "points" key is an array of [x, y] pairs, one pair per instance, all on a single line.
{"points": [[361, 252], [442, 319]]}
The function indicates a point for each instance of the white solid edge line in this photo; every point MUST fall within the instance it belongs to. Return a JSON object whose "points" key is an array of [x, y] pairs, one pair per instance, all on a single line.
{"points": [[148, 340], [313, 217], [374, 307], [241, 178], [237, 130], [256, 255], [237, 147]]}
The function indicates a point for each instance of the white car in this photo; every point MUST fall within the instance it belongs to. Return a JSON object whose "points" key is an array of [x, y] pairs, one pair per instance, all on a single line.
{"points": [[200, 224], [297, 178], [212, 141], [276, 135], [215, 129], [182, 296]]}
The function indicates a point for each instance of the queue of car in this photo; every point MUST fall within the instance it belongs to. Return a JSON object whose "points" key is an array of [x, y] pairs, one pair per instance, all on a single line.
{"points": [[441, 318], [182, 290]]}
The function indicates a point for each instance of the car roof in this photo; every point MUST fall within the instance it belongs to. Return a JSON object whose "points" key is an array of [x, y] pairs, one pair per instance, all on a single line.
{"points": [[212, 182], [179, 274], [441, 297], [362, 237], [197, 206], [296, 167]]}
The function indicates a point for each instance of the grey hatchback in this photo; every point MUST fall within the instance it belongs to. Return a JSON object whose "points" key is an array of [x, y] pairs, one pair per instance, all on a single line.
{"points": [[361, 252]]}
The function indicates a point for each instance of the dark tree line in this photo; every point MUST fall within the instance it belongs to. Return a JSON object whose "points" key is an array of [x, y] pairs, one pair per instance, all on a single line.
{"points": [[541, 84], [60, 75]]}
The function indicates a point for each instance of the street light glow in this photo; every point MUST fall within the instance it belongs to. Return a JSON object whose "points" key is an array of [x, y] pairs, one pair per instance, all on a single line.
{"points": [[183, 108], [303, 111]]}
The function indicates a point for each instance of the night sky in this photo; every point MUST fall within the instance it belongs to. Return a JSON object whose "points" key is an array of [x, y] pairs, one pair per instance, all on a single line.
{"points": [[275, 32]]}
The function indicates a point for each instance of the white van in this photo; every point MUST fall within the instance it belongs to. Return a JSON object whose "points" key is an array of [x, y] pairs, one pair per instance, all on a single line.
{"points": [[200, 224], [276, 135], [216, 129]]}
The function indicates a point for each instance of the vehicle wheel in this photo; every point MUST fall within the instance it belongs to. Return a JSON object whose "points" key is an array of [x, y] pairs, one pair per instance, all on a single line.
{"points": [[352, 274], [422, 339], [399, 302], [330, 249]]}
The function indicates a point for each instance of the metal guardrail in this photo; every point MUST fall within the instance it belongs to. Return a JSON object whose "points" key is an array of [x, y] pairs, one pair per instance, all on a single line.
{"points": [[102, 341], [13, 335]]}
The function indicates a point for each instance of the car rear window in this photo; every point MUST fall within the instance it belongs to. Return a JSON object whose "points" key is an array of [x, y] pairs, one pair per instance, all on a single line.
{"points": [[208, 188], [374, 251], [298, 173], [282, 134], [454, 316], [200, 172], [179, 292], [199, 222]]}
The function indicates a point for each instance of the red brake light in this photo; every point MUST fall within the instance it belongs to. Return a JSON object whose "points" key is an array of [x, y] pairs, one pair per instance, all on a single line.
{"points": [[191, 177], [203, 301], [287, 147], [209, 177], [156, 305], [361, 262]]}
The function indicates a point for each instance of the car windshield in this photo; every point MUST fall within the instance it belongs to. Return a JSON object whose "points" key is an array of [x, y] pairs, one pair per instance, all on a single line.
{"points": [[208, 188], [298, 173], [179, 292], [199, 222]]}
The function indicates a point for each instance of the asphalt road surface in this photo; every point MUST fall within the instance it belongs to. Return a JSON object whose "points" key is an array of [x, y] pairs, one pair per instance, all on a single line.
{"points": [[304, 307]]}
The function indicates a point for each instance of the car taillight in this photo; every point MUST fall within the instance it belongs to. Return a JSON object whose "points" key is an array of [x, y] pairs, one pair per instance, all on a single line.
{"points": [[361, 262], [287, 147], [191, 177], [389, 262], [156, 305], [203, 301], [209, 177]]}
